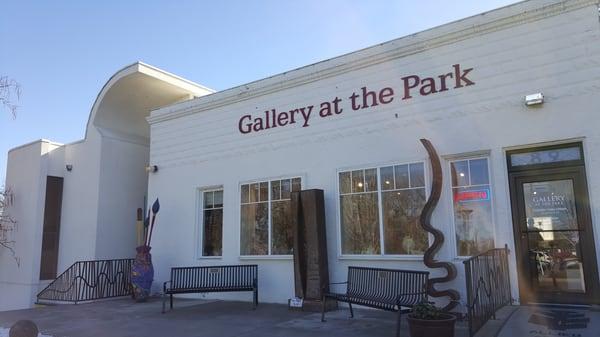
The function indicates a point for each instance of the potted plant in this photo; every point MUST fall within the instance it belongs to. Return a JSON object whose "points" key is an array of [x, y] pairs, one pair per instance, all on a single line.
{"points": [[427, 320]]}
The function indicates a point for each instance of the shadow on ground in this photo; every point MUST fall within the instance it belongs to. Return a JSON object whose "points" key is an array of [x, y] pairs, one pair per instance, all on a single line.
{"points": [[123, 318]]}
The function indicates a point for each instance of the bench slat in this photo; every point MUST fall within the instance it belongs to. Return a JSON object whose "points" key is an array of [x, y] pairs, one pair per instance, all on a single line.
{"points": [[384, 288]]}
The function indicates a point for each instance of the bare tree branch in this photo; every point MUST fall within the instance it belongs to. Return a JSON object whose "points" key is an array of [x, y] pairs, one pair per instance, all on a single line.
{"points": [[10, 93], [8, 225]]}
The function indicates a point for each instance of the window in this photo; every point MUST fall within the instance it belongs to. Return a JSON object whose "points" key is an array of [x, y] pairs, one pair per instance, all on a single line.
{"points": [[212, 223], [472, 203], [265, 225], [395, 194]]}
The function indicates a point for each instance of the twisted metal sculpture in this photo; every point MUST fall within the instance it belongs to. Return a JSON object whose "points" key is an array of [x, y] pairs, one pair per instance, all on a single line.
{"points": [[438, 236]]}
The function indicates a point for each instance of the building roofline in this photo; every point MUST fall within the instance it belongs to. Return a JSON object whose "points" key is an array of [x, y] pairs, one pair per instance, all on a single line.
{"points": [[476, 25], [141, 67], [42, 140]]}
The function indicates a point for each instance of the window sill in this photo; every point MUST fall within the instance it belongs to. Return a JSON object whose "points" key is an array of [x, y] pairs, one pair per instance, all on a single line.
{"points": [[266, 257], [210, 257], [382, 257]]}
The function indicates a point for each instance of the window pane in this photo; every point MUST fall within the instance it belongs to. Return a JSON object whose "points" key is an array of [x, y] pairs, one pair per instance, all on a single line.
{"points": [[370, 180], [218, 199], [212, 242], [275, 190], [401, 172], [550, 205], [281, 235], [417, 175], [208, 199], [245, 193], [402, 232], [264, 191], [254, 226], [358, 181], [285, 189], [360, 224], [479, 172], [558, 258], [345, 182], [387, 178], [473, 220], [460, 173], [296, 185], [545, 156], [254, 192]]}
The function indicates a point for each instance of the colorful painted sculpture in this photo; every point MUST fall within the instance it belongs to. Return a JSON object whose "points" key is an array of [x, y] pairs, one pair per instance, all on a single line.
{"points": [[142, 271]]}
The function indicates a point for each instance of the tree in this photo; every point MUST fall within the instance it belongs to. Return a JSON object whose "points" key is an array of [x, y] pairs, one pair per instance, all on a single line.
{"points": [[7, 223], [10, 92]]}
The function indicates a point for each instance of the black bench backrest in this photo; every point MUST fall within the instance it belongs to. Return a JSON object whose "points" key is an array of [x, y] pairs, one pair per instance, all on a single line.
{"points": [[239, 276], [388, 285]]}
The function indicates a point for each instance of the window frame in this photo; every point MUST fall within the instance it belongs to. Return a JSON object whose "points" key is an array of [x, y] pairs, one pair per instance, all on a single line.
{"points": [[458, 158], [200, 222], [381, 255], [269, 256]]}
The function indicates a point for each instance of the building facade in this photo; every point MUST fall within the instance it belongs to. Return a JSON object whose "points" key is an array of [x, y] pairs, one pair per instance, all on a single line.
{"points": [[516, 172]]}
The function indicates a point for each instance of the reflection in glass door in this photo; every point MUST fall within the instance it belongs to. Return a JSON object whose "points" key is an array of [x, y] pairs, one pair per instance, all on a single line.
{"points": [[553, 236]]}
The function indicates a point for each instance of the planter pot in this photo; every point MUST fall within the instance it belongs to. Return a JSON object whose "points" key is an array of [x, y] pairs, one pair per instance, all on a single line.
{"points": [[443, 327], [142, 274]]}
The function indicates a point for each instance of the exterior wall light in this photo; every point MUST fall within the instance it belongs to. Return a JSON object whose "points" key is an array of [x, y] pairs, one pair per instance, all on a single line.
{"points": [[151, 168], [534, 99], [69, 167]]}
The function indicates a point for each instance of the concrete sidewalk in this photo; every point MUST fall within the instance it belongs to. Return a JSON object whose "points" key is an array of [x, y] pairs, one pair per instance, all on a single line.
{"points": [[544, 321], [124, 318]]}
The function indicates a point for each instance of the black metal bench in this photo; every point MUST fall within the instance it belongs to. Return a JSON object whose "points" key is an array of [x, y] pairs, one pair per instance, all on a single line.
{"points": [[209, 279], [386, 289]]}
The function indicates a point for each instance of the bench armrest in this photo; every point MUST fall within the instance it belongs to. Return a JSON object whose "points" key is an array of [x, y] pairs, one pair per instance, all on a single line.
{"points": [[328, 284], [165, 286]]}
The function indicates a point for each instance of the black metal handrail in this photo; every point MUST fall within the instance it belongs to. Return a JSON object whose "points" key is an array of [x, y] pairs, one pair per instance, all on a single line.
{"points": [[90, 280], [488, 286]]}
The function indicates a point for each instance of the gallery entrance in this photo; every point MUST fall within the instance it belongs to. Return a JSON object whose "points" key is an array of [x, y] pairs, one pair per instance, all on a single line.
{"points": [[552, 224]]}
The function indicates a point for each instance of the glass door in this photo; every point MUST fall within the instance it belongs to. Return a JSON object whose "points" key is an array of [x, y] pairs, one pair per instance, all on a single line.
{"points": [[553, 231]]}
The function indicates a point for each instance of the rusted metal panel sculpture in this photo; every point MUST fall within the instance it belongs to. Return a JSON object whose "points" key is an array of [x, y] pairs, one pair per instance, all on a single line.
{"points": [[311, 273], [438, 236]]}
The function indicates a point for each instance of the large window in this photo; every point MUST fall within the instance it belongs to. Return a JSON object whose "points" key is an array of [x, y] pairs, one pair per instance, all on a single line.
{"points": [[265, 225], [212, 223], [395, 194], [472, 203]]}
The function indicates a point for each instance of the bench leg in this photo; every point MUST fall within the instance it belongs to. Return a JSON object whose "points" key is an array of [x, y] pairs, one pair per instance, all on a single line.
{"points": [[351, 311], [398, 324], [323, 309], [171, 301], [255, 299], [164, 299]]}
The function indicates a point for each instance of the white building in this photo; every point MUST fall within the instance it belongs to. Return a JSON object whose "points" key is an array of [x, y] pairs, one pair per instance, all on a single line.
{"points": [[350, 126]]}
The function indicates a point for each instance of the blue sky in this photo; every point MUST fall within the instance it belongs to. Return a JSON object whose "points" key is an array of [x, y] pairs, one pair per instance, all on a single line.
{"points": [[62, 52]]}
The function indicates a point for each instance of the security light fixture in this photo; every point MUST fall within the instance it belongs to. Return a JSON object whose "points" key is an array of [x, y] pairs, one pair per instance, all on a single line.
{"points": [[151, 168], [534, 99], [69, 167]]}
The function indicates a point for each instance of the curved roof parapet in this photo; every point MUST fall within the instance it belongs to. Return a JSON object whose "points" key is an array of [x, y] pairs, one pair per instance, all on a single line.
{"points": [[121, 107]]}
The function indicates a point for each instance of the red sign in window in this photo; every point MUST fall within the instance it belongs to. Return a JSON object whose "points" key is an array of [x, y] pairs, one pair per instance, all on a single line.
{"points": [[474, 195]]}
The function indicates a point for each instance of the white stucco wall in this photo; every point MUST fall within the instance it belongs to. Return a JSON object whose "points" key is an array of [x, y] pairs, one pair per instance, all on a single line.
{"points": [[26, 174], [123, 186], [512, 53]]}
